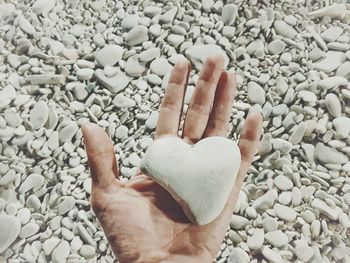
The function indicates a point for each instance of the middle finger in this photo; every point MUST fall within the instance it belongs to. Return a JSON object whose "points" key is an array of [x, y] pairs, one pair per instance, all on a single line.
{"points": [[200, 105]]}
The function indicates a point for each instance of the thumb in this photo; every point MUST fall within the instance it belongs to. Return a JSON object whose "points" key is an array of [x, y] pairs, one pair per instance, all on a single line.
{"points": [[101, 158]]}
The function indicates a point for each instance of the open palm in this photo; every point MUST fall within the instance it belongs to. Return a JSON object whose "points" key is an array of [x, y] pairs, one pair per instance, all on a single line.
{"points": [[141, 220]]}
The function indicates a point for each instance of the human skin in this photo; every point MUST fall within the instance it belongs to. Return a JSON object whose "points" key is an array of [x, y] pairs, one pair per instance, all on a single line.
{"points": [[141, 220]]}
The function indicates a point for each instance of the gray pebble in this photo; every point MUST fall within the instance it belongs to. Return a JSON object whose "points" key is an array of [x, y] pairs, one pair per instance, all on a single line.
{"points": [[109, 55], [39, 115], [136, 36]]}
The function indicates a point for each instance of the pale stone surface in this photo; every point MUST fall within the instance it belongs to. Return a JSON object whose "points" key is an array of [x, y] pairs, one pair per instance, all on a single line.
{"points": [[115, 84], [256, 94], [238, 255], [284, 212], [342, 126], [331, 34], [283, 29], [160, 66], [191, 163], [276, 238], [325, 154], [9, 233], [39, 115], [229, 14], [43, 6], [137, 35], [256, 241], [331, 62], [61, 252], [109, 55], [32, 181]]}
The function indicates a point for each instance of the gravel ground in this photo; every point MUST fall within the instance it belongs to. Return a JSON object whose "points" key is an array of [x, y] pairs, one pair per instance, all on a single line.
{"points": [[67, 62]]}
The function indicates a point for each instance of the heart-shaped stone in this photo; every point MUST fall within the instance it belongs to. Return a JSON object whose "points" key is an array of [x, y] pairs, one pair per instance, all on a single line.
{"points": [[199, 177]]}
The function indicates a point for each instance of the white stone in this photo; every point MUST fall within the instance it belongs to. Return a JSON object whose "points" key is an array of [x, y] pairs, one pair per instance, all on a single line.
{"points": [[109, 55], [136, 36], [332, 82], [26, 26], [39, 115], [48, 79], [340, 253], [342, 126], [175, 40], [168, 16], [160, 67], [14, 60], [149, 54], [114, 84], [344, 70], [337, 11], [134, 160], [308, 216], [61, 252], [152, 11], [331, 212], [238, 255], [121, 132], [152, 119], [121, 101], [298, 133], [331, 34], [87, 251], [331, 62], [333, 105], [195, 185], [229, 14], [32, 181], [53, 141], [130, 21], [41, 7], [66, 205], [265, 201], [10, 229], [276, 47], [6, 10], [50, 244], [285, 30], [29, 230], [304, 252], [256, 48], [85, 73], [23, 215], [67, 133], [283, 183], [284, 212], [276, 238], [270, 224], [307, 96], [198, 54], [328, 155], [271, 255], [256, 241], [133, 68], [238, 222], [256, 94]]}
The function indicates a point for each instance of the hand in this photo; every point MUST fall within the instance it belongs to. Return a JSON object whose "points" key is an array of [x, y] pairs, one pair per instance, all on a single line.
{"points": [[142, 222]]}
